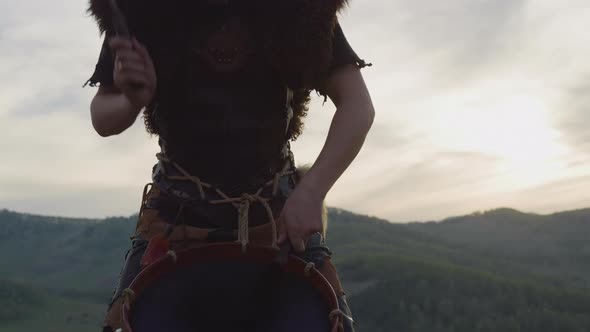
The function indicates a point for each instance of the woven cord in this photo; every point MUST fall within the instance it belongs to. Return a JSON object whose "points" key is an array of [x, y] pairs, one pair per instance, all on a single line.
{"points": [[241, 203], [146, 190], [243, 212], [336, 317], [128, 296]]}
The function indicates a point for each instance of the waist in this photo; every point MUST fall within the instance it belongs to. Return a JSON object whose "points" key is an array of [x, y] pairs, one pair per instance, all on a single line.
{"points": [[188, 199], [231, 165], [231, 176]]}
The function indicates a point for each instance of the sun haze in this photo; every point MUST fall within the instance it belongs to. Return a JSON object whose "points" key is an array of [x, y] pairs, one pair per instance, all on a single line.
{"points": [[480, 104]]}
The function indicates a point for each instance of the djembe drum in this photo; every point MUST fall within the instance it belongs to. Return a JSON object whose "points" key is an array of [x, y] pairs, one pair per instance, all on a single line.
{"points": [[237, 291], [195, 279]]}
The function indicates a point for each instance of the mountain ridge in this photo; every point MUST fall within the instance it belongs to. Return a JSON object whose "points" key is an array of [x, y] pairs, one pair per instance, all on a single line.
{"points": [[522, 276], [336, 210]]}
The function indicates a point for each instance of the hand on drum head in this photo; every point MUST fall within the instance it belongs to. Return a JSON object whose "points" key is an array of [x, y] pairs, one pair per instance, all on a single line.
{"points": [[301, 217]]}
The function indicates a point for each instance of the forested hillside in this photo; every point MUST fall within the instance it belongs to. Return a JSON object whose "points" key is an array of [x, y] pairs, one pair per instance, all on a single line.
{"points": [[496, 271], [556, 245]]}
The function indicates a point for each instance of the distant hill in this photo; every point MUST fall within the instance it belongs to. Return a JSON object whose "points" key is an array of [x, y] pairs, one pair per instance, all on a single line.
{"points": [[17, 301], [500, 270], [556, 245], [45, 251]]}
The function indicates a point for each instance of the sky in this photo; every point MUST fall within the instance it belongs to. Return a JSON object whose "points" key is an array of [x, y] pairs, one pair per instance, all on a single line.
{"points": [[479, 104]]}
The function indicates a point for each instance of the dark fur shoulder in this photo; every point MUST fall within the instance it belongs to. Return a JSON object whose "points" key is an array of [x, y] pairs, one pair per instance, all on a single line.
{"points": [[300, 41], [100, 11], [297, 36]]}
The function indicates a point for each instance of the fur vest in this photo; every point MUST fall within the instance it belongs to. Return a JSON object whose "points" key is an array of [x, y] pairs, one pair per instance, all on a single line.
{"points": [[296, 38]]}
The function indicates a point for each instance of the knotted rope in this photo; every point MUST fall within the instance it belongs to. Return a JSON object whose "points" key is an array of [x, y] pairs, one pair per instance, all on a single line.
{"points": [[336, 317], [241, 203], [128, 296], [308, 267]]}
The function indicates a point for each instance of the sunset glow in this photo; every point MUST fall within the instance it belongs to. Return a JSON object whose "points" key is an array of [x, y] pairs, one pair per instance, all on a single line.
{"points": [[480, 104]]}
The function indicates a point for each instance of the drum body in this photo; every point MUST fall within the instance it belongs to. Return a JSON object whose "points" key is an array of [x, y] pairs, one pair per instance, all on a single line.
{"points": [[236, 291], [187, 277]]}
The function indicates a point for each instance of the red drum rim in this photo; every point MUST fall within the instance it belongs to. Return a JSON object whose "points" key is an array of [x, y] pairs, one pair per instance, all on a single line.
{"points": [[229, 251]]}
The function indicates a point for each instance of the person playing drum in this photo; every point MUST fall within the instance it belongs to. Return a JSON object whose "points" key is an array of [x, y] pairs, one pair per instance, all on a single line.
{"points": [[225, 85]]}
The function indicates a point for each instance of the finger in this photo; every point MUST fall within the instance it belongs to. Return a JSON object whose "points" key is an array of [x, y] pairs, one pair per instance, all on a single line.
{"points": [[282, 236], [298, 244], [125, 72], [145, 55], [119, 43], [142, 51], [130, 80], [121, 66], [132, 84], [318, 226], [128, 55]]}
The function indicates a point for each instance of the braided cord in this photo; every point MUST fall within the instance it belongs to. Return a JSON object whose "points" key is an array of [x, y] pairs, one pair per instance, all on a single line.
{"points": [[241, 203]]}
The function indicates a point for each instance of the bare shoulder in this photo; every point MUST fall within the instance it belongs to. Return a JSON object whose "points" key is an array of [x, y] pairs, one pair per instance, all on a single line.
{"points": [[346, 85]]}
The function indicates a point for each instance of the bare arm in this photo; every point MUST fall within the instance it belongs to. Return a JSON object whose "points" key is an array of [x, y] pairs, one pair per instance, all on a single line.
{"points": [[350, 125], [301, 215], [115, 108], [111, 112]]}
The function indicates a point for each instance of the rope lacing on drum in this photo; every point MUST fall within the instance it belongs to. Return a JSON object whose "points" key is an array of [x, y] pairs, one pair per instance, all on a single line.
{"points": [[241, 203], [336, 317], [308, 267], [128, 296], [172, 254], [144, 197]]}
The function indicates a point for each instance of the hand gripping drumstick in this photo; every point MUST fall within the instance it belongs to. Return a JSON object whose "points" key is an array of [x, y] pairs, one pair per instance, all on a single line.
{"points": [[121, 29], [119, 23]]}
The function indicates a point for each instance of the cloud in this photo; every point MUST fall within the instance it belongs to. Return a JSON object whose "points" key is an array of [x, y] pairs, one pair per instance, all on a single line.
{"points": [[441, 42], [415, 186], [574, 117], [568, 193], [463, 90], [91, 202], [465, 32]]}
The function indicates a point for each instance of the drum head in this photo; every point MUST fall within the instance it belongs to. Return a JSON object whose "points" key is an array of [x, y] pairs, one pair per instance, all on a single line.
{"points": [[226, 294]]}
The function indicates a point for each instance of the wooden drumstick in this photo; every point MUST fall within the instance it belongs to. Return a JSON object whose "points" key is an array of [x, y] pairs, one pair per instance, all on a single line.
{"points": [[121, 29], [119, 22]]}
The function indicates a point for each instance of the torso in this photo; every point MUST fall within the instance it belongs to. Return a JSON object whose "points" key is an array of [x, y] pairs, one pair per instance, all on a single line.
{"points": [[221, 109]]}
